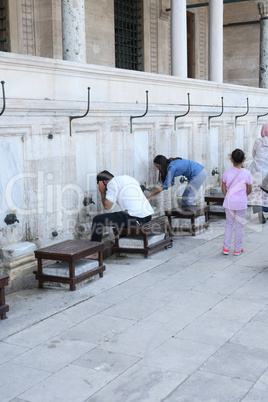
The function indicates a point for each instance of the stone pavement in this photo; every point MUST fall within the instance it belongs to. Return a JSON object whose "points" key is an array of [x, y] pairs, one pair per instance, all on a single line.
{"points": [[188, 324]]}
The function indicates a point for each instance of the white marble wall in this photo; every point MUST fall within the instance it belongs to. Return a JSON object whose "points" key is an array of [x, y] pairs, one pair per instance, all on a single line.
{"points": [[45, 172]]}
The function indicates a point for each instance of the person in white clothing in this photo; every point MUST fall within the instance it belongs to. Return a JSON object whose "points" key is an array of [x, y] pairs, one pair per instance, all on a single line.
{"points": [[259, 169], [126, 192]]}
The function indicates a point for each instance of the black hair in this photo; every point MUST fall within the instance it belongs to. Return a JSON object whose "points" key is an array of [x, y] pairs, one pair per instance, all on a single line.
{"points": [[163, 162], [104, 175], [238, 156]]}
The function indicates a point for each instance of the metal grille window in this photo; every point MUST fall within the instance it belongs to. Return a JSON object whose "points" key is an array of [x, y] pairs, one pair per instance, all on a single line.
{"points": [[128, 34], [3, 26]]}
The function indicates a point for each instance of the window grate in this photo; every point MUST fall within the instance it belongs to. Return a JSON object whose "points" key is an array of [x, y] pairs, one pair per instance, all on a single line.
{"points": [[3, 26], [128, 34]]}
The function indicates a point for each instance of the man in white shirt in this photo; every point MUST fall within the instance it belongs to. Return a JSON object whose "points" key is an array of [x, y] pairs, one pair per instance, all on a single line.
{"points": [[126, 192]]}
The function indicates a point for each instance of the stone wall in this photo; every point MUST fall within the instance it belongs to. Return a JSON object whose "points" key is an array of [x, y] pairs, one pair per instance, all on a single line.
{"points": [[35, 29], [46, 168], [241, 43]]}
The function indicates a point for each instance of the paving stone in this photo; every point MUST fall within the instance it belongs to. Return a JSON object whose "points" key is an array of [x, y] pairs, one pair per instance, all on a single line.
{"points": [[18, 379], [98, 329], [106, 361], [255, 395], [72, 383], [254, 333], [262, 383], [181, 356], [203, 387], [54, 354], [143, 384], [128, 308], [238, 361], [9, 352], [39, 333], [210, 331], [138, 340], [187, 324]]}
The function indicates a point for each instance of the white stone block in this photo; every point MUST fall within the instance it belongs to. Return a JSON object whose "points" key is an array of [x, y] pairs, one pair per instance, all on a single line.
{"points": [[185, 223], [62, 268], [18, 249], [137, 241]]}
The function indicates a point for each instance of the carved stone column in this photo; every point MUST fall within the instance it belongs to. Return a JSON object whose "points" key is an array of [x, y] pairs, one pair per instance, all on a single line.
{"points": [[178, 38], [73, 30], [216, 40], [263, 71]]}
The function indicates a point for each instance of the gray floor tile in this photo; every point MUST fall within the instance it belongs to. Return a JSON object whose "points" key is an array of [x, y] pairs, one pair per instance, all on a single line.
{"points": [[172, 318], [138, 340], [227, 281], [143, 384], [9, 352], [254, 333], [179, 356], [210, 331], [16, 379], [196, 328], [104, 360], [53, 355], [262, 383], [166, 290], [118, 293], [97, 329], [262, 315], [73, 383], [238, 361], [204, 387], [255, 395], [39, 332], [233, 310], [82, 311], [128, 308], [193, 298]]}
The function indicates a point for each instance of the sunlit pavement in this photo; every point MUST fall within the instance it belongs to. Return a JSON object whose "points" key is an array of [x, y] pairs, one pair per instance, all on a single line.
{"points": [[186, 324]]}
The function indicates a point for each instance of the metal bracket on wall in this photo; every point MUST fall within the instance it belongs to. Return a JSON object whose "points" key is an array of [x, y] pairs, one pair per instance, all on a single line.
{"points": [[241, 115], [80, 117], [218, 115], [261, 115], [181, 115], [138, 117], [4, 98]]}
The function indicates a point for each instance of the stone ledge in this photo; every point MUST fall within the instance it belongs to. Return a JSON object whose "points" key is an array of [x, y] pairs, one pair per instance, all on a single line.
{"points": [[15, 250]]}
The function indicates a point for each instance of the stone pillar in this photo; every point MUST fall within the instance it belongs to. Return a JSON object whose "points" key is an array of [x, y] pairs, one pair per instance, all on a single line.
{"points": [[178, 38], [216, 40], [263, 69], [73, 30]]}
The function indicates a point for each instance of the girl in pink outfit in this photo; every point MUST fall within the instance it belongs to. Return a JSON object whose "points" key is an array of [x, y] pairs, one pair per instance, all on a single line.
{"points": [[236, 185]]}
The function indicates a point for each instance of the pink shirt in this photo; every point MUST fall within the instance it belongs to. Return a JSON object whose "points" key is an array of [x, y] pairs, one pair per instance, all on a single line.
{"points": [[236, 196]]}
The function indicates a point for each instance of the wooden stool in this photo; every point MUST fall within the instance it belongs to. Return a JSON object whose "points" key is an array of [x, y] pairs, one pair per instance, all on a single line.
{"points": [[70, 251], [4, 308], [154, 227], [191, 212], [215, 199]]}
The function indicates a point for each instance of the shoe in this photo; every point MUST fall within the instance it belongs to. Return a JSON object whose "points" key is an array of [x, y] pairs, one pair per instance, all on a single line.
{"points": [[225, 252], [239, 252], [261, 217]]}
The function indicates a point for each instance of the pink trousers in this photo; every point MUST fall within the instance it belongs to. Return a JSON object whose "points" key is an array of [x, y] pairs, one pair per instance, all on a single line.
{"points": [[236, 220]]}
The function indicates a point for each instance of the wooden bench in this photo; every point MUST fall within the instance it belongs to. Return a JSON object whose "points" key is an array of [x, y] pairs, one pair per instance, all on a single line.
{"points": [[215, 199], [154, 227], [188, 212], [4, 308], [70, 251]]}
